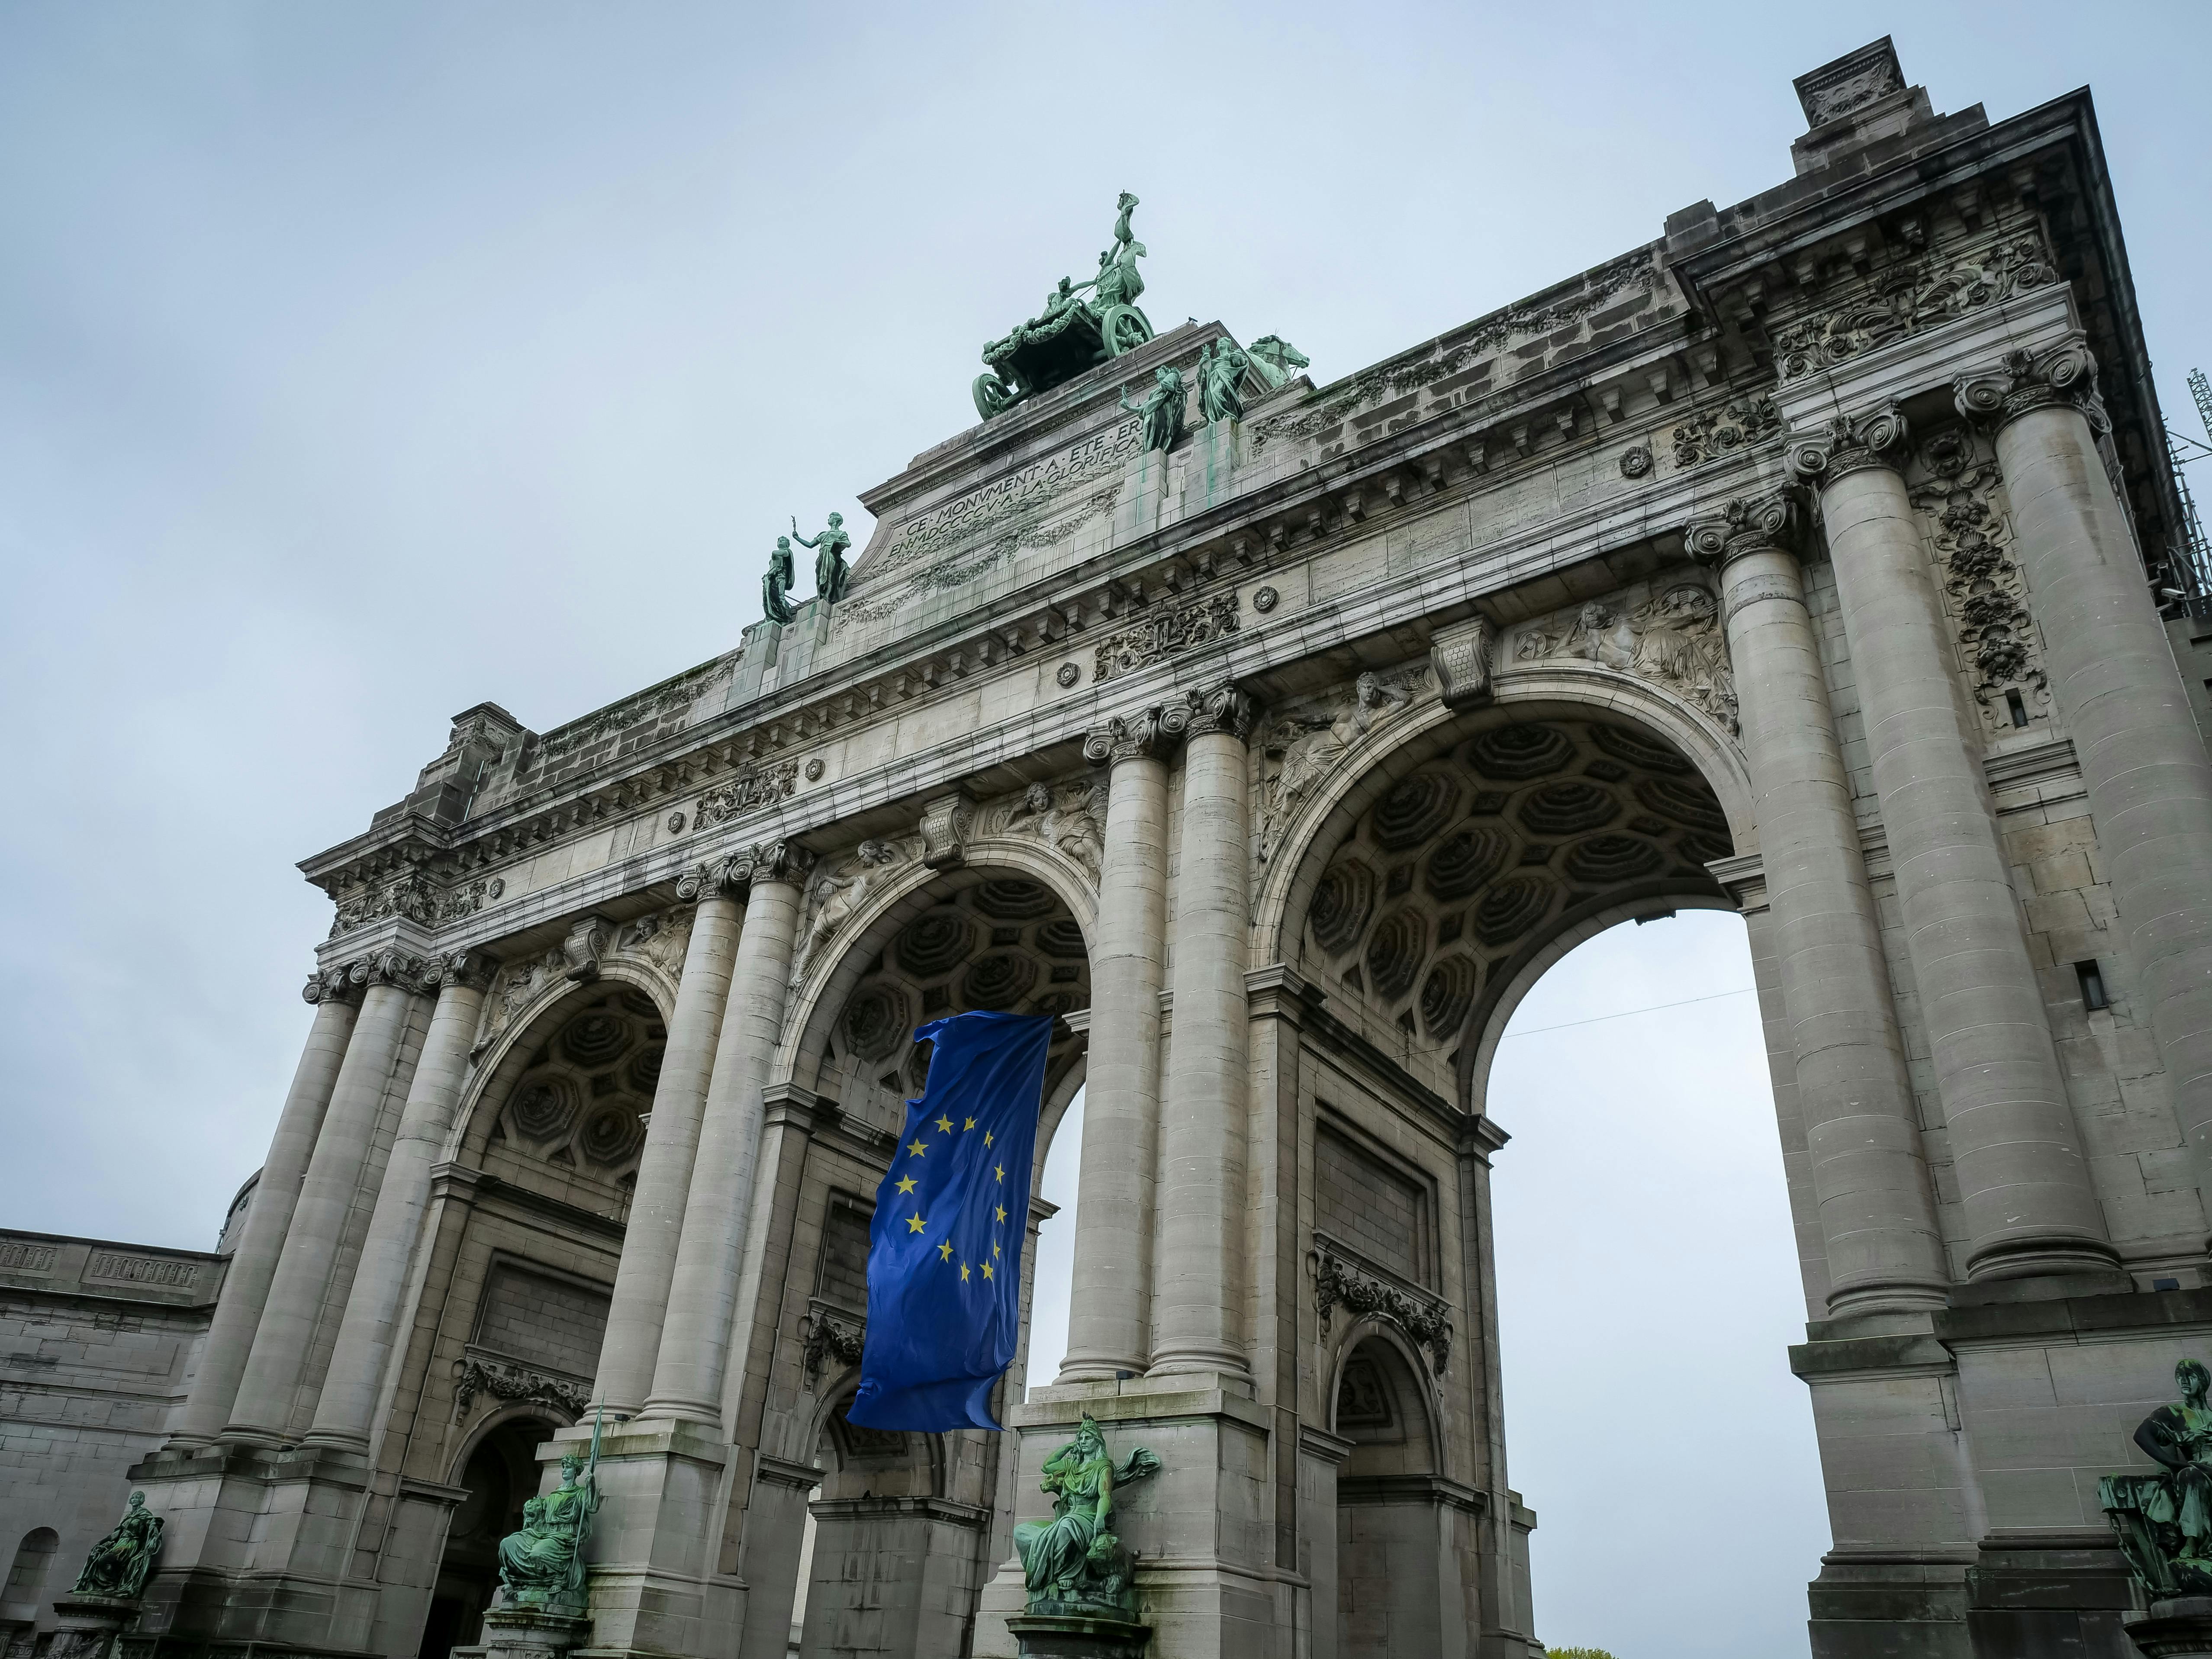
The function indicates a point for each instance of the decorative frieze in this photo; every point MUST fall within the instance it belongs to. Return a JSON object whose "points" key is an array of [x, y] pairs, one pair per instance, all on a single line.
{"points": [[1166, 632], [1713, 433], [1911, 300], [477, 1373], [1673, 637], [1340, 1282], [1069, 815], [752, 790]]}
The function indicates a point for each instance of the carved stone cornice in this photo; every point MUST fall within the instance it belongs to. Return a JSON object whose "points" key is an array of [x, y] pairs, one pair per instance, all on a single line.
{"points": [[1147, 735], [1848, 444], [1223, 709], [1745, 525], [2063, 375], [1340, 1282], [464, 971]]}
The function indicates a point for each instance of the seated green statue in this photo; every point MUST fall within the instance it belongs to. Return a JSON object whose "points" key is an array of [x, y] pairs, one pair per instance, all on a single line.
{"points": [[2165, 1520], [543, 1565], [120, 1562], [1074, 1563]]}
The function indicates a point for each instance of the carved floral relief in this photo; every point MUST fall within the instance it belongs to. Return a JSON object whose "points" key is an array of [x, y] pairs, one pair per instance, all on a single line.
{"points": [[1911, 300], [1953, 482]]}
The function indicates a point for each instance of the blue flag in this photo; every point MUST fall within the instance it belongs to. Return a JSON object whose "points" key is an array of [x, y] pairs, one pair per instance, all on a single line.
{"points": [[944, 1251]]}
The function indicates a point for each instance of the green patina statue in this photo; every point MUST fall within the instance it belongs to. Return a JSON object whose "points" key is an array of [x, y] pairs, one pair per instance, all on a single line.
{"points": [[1276, 359], [1163, 410], [1221, 369], [1076, 332], [2165, 1520], [120, 1562], [542, 1566], [1074, 1564], [829, 571], [775, 587]]}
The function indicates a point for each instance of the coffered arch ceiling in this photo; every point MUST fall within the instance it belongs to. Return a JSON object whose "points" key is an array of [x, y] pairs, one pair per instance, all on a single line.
{"points": [[565, 1111], [987, 937], [1459, 871]]}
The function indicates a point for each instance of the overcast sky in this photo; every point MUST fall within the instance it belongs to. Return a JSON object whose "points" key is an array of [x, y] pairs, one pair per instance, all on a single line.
{"points": [[359, 363]]}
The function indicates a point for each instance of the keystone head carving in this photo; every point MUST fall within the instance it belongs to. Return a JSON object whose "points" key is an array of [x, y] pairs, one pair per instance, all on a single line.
{"points": [[2024, 380], [1849, 443]]}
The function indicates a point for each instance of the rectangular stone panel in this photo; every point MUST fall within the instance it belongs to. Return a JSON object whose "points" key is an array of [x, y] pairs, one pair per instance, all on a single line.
{"points": [[544, 1319], [1378, 1212]]}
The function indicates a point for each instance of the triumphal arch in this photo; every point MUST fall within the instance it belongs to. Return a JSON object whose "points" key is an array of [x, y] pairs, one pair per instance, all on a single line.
{"points": [[1806, 561]]}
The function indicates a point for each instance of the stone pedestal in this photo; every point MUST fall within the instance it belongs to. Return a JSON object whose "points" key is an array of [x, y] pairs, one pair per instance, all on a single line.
{"points": [[1078, 1636], [526, 1633], [2177, 1629], [86, 1627]]}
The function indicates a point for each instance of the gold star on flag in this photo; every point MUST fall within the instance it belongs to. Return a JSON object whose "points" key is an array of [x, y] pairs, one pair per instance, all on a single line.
{"points": [[964, 1273], [944, 1124], [916, 1148], [946, 1251], [969, 1124], [987, 1270], [913, 1222], [1000, 1172], [907, 1185], [994, 1250], [1002, 1213], [986, 1137]]}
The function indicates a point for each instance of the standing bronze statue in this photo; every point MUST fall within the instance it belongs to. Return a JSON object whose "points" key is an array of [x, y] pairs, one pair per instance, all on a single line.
{"points": [[119, 1563], [829, 571], [1163, 411], [1221, 368], [2165, 1520], [775, 587]]}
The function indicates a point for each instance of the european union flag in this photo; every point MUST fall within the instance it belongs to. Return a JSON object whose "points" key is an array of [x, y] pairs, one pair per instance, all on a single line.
{"points": [[945, 1252]]}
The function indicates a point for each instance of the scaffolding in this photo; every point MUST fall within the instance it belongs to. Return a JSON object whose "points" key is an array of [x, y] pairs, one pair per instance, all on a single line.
{"points": [[2196, 555]]}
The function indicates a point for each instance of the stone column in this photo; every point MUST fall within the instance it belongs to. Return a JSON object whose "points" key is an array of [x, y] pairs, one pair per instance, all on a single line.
{"points": [[268, 1216], [695, 1345], [264, 1407], [1884, 1246], [638, 1312], [1106, 1322], [370, 1327], [1197, 1298], [2119, 695], [2022, 1178]]}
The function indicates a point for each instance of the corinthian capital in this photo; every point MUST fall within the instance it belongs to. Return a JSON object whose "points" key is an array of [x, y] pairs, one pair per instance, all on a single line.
{"points": [[2063, 373], [464, 971], [780, 860], [1147, 735], [331, 985], [392, 968], [1223, 709], [1849, 443], [1752, 524], [724, 878]]}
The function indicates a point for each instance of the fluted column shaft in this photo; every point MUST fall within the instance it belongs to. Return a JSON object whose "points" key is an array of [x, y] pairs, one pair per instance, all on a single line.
{"points": [[695, 1343], [2022, 1178], [638, 1312], [1198, 1297], [1106, 1303], [369, 1330], [2119, 694], [268, 1217], [1884, 1246], [264, 1407]]}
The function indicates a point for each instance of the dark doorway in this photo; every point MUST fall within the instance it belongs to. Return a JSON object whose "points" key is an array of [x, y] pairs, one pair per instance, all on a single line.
{"points": [[501, 1475]]}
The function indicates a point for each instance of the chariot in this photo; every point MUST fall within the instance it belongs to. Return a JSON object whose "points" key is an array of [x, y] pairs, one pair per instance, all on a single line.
{"points": [[1076, 332]]}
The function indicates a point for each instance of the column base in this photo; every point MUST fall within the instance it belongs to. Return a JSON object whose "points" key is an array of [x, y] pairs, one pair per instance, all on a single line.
{"points": [[2179, 1629], [1201, 1531], [86, 1625], [1074, 1636]]}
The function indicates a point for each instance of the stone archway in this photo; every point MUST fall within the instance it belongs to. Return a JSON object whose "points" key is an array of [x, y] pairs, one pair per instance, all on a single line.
{"points": [[499, 1472]]}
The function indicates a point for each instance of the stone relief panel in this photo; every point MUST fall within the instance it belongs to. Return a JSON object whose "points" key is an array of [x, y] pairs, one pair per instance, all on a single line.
{"points": [[1713, 433], [750, 791], [1955, 484], [1068, 815], [1667, 631], [1911, 298], [839, 889], [1306, 741], [658, 940], [1462, 863], [1167, 631]]}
